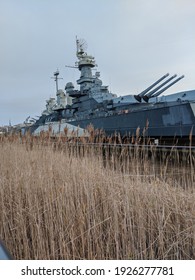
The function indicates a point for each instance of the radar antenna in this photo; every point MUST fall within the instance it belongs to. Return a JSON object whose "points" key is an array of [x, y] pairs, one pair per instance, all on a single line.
{"points": [[56, 78], [81, 46]]}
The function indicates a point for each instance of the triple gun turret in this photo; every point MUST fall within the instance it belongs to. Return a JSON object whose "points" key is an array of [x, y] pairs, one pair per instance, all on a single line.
{"points": [[148, 93]]}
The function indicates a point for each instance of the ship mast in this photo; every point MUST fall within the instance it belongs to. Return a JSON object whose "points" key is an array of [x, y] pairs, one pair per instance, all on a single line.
{"points": [[85, 64], [56, 78]]}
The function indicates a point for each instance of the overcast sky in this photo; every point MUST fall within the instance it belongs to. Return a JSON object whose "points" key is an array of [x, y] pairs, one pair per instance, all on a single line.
{"points": [[135, 42]]}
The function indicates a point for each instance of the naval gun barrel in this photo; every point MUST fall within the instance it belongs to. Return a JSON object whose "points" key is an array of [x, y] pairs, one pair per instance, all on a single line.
{"points": [[141, 94], [168, 86], [149, 95]]}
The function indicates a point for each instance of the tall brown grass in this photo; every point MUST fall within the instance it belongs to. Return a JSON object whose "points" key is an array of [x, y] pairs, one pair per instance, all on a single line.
{"points": [[67, 200]]}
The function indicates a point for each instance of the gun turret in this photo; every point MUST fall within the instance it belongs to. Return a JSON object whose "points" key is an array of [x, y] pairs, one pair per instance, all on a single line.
{"points": [[148, 95], [165, 88], [141, 94]]}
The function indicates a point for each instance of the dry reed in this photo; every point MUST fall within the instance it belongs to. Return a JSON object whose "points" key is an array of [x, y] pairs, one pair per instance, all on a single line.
{"points": [[69, 201]]}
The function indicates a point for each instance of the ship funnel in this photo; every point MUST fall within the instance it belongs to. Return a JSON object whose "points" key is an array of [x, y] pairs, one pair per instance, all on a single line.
{"points": [[140, 95], [168, 86], [148, 95]]}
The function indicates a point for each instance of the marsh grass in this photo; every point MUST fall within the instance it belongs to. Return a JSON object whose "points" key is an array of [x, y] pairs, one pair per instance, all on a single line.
{"points": [[74, 200]]}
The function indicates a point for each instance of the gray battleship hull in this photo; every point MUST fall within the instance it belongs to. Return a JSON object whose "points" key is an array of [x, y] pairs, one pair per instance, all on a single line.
{"points": [[169, 121], [175, 120]]}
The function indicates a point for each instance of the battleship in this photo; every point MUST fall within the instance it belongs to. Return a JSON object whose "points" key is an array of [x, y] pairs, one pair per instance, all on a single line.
{"points": [[154, 115]]}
